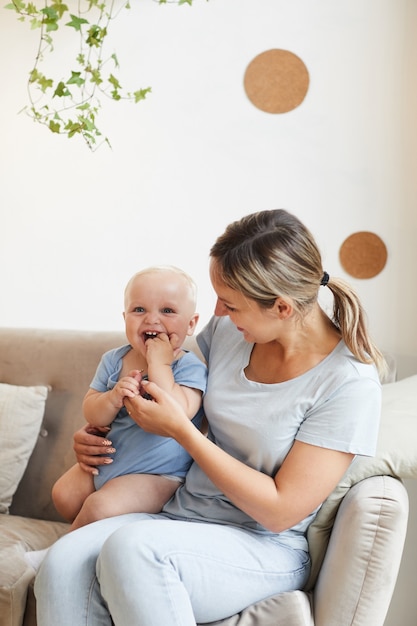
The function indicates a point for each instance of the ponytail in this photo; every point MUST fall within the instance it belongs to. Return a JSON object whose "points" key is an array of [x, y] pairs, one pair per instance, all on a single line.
{"points": [[350, 319]]}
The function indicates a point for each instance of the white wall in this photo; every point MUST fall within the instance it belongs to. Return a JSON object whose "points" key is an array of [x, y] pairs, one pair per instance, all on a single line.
{"points": [[197, 154]]}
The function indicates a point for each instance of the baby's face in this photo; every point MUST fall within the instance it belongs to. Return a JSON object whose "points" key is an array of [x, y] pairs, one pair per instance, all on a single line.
{"points": [[158, 302]]}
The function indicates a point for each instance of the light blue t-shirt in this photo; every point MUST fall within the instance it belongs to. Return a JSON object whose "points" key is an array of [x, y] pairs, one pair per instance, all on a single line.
{"points": [[335, 405], [139, 452]]}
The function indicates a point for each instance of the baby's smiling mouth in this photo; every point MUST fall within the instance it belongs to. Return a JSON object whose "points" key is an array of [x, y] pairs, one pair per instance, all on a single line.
{"points": [[149, 334]]}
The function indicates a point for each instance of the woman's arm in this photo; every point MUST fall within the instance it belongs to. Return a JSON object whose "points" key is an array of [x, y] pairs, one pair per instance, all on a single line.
{"points": [[307, 476]]}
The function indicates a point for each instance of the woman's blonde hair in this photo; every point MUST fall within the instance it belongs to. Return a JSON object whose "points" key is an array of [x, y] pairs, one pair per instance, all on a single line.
{"points": [[271, 253]]}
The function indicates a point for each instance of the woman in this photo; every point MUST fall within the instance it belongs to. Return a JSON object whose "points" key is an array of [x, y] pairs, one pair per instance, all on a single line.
{"points": [[292, 397]]}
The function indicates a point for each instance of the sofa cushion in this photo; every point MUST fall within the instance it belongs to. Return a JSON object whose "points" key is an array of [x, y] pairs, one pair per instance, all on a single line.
{"points": [[290, 608], [396, 456], [370, 528], [21, 414], [397, 442], [17, 535]]}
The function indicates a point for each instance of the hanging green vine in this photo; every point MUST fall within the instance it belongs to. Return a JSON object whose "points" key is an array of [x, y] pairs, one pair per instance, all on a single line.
{"points": [[69, 105]]}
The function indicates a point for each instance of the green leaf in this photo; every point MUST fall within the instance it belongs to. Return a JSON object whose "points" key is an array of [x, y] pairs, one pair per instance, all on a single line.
{"points": [[141, 94], [50, 25], [49, 13], [55, 127], [31, 9], [50, 18], [17, 6], [113, 81], [76, 22], [98, 4], [61, 90], [95, 76], [96, 36], [43, 82], [35, 23], [60, 8], [88, 124], [72, 128], [33, 76], [76, 79]]}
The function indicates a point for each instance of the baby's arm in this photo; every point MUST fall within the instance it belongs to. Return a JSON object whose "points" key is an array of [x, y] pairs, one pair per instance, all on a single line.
{"points": [[100, 408], [160, 353]]}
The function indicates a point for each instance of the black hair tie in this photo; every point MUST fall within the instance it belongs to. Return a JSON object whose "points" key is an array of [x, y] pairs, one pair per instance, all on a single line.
{"points": [[325, 279]]}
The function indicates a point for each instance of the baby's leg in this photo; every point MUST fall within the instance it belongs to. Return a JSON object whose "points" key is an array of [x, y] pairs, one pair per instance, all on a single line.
{"points": [[71, 490], [133, 493]]}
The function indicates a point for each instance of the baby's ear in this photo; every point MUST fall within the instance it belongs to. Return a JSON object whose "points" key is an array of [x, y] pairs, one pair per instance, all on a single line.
{"points": [[192, 324]]}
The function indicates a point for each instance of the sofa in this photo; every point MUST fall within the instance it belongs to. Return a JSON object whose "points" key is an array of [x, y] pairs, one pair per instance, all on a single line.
{"points": [[356, 540]]}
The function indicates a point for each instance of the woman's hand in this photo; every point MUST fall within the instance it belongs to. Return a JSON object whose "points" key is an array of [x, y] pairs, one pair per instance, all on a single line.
{"points": [[90, 444], [161, 415]]}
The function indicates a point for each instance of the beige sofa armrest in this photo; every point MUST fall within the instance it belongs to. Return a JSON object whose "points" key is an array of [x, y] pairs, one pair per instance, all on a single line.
{"points": [[358, 575]]}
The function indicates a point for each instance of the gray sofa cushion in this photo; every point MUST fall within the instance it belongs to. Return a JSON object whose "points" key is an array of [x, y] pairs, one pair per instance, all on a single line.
{"points": [[17, 535]]}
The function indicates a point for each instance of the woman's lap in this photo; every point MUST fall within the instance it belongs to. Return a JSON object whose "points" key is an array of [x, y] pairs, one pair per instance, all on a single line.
{"points": [[192, 572], [65, 583], [165, 572]]}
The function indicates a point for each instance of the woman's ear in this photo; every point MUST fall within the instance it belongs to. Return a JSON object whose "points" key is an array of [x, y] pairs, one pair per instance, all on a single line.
{"points": [[283, 308]]}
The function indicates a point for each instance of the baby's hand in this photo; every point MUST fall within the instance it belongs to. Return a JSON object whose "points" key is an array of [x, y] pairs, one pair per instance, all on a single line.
{"points": [[127, 386], [162, 349]]}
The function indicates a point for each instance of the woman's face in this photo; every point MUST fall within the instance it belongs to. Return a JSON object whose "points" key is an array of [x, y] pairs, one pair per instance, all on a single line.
{"points": [[257, 324]]}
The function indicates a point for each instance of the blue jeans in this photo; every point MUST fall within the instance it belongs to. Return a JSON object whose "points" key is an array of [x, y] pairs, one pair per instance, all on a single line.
{"points": [[147, 570]]}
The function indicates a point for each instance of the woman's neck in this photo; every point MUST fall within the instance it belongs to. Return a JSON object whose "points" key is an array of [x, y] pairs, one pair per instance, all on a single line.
{"points": [[303, 346]]}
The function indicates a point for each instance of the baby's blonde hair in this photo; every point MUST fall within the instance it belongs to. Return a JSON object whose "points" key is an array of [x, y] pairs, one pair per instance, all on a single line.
{"points": [[165, 268]]}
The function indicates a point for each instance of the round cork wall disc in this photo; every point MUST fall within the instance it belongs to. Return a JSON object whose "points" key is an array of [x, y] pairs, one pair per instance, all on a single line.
{"points": [[276, 81], [363, 255]]}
